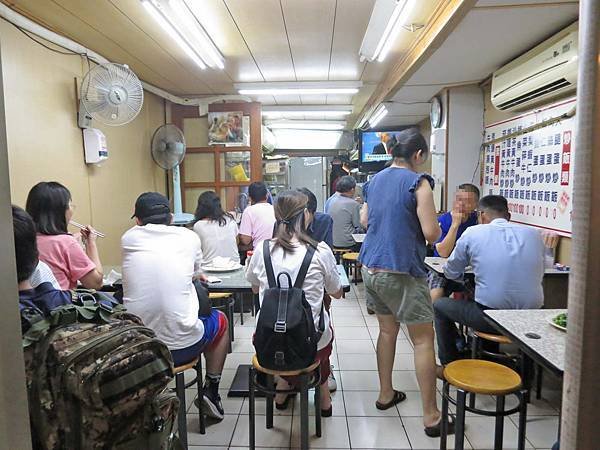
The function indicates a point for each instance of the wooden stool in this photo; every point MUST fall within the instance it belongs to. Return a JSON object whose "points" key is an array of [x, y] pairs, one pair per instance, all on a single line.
{"points": [[339, 252], [514, 361], [225, 303], [350, 261], [478, 376], [306, 383], [180, 387]]}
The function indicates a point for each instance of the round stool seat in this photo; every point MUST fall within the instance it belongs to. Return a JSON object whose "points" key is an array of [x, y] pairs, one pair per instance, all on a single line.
{"points": [[185, 367], [482, 377], [499, 338], [351, 256], [288, 373], [219, 295]]}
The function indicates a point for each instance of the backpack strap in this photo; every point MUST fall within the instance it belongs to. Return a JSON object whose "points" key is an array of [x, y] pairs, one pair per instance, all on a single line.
{"points": [[310, 251], [268, 263]]}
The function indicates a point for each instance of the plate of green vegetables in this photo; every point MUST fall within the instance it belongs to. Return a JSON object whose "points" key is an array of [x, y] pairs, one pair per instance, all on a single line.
{"points": [[559, 321]]}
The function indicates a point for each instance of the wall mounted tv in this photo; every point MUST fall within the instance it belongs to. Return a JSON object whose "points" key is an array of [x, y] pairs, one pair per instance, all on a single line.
{"points": [[375, 149]]}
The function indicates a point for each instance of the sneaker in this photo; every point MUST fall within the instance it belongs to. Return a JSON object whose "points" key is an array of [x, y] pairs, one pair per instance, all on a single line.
{"points": [[331, 383], [212, 407]]}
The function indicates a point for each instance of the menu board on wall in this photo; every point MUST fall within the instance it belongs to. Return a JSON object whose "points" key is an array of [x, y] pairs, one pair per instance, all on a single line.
{"points": [[534, 170]]}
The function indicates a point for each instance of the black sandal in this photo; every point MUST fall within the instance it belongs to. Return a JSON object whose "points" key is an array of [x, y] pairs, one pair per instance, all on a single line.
{"points": [[399, 396], [284, 405], [436, 430]]}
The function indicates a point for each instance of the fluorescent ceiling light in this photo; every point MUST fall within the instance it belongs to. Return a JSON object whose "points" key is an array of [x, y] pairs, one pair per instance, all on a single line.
{"points": [[307, 125], [180, 24], [306, 110], [379, 114], [389, 16], [299, 88]]}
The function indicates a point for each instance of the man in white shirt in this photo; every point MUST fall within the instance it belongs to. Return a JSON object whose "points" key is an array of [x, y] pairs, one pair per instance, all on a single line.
{"points": [[508, 264], [159, 264]]}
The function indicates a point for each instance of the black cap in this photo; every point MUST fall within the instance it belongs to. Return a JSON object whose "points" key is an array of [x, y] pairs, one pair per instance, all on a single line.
{"points": [[150, 205]]}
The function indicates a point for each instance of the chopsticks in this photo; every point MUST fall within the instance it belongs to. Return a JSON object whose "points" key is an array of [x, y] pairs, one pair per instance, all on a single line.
{"points": [[83, 227]]}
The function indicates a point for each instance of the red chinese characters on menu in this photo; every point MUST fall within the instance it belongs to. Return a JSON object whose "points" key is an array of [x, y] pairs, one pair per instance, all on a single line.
{"points": [[566, 159]]}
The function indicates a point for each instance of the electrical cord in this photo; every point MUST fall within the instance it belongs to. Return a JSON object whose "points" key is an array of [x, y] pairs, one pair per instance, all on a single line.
{"points": [[68, 53]]}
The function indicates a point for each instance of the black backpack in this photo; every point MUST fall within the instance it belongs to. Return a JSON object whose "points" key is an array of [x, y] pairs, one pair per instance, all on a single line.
{"points": [[285, 337]]}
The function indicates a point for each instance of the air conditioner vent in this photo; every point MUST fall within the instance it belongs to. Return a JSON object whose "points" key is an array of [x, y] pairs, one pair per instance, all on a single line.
{"points": [[536, 93]]}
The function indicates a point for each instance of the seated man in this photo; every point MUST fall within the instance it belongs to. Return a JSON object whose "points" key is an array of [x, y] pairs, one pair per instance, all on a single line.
{"points": [[44, 297], [345, 213], [453, 225], [320, 225], [258, 219], [159, 263], [508, 264]]}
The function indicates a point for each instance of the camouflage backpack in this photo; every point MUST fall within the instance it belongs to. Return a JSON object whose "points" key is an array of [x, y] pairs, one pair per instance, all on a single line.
{"points": [[96, 379]]}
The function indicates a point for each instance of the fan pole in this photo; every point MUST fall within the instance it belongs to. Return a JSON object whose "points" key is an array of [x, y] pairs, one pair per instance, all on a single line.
{"points": [[179, 217]]}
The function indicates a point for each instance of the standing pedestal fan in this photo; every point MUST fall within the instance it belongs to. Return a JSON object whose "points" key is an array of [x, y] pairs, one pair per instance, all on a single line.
{"points": [[168, 150]]}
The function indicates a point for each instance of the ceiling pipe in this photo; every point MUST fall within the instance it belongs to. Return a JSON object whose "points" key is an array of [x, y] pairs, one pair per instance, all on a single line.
{"points": [[28, 25]]}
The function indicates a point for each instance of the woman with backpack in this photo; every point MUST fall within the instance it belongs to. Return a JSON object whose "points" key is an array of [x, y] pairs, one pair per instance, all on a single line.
{"points": [[287, 251]]}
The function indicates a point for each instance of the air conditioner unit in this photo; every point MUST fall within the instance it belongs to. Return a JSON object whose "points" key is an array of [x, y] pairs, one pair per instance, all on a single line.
{"points": [[544, 72]]}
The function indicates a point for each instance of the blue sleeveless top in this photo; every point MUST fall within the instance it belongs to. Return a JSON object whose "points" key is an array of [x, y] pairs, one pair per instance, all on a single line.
{"points": [[394, 240]]}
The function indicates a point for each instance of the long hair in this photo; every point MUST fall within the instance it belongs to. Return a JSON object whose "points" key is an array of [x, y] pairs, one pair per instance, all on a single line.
{"points": [[289, 212], [47, 204], [209, 207]]}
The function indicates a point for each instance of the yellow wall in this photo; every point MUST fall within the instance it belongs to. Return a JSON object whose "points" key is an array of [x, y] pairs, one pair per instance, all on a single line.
{"points": [[45, 144], [492, 115]]}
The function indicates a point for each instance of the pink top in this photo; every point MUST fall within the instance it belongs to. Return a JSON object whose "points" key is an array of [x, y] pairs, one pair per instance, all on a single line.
{"points": [[257, 222], [65, 257]]}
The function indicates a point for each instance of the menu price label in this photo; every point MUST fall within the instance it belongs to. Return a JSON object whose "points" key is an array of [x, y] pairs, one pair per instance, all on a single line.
{"points": [[533, 170]]}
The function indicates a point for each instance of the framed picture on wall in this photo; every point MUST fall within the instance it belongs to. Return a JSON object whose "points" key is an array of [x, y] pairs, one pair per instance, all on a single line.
{"points": [[226, 128]]}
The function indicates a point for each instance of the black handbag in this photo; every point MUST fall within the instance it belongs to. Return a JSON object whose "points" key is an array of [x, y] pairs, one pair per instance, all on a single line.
{"points": [[204, 303]]}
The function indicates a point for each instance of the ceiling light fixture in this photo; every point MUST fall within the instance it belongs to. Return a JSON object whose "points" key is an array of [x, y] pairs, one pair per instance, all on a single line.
{"points": [[181, 25], [299, 88], [306, 110], [307, 125], [389, 16], [379, 114]]}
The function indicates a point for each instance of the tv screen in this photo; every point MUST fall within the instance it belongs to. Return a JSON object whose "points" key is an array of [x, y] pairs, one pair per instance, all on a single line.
{"points": [[376, 146]]}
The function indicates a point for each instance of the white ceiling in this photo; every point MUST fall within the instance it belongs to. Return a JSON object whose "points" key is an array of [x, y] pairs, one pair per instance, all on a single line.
{"points": [[489, 36]]}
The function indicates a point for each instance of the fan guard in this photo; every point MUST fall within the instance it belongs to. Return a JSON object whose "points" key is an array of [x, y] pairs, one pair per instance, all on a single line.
{"points": [[168, 146], [112, 94]]}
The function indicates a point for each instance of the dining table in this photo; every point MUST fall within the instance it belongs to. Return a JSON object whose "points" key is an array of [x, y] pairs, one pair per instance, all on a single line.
{"points": [[359, 238]]}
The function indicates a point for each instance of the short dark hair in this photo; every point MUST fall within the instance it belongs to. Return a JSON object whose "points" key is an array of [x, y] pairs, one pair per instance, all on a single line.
{"points": [[495, 203], [468, 187], [345, 184], [311, 205], [209, 207], [408, 143], [257, 191], [26, 252], [47, 204]]}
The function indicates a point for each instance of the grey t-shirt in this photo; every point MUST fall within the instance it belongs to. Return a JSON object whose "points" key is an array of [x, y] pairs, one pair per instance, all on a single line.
{"points": [[345, 213]]}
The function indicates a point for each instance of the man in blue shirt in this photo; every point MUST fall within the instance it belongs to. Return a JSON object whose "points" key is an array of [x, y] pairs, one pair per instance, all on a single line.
{"points": [[320, 227], [508, 264], [43, 298], [453, 225]]}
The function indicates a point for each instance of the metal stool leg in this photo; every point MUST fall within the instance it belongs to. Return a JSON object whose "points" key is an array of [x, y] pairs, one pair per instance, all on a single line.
{"points": [[538, 382], [522, 421], [269, 398], [200, 385], [474, 355], [499, 432], [241, 297], [444, 424], [231, 319], [251, 405], [181, 417], [318, 410], [304, 412], [461, 401]]}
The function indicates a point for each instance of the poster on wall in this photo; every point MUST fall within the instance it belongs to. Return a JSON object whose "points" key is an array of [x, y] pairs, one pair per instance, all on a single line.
{"points": [[533, 170], [227, 128]]}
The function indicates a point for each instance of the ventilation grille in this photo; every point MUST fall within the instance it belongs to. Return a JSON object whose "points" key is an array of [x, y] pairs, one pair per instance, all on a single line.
{"points": [[536, 93]]}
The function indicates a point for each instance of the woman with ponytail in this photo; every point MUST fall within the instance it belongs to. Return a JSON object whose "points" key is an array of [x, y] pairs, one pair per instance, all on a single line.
{"points": [[287, 250]]}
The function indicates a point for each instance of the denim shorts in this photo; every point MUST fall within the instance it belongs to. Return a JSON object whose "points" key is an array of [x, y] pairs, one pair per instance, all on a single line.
{"points": [[405, 297]]}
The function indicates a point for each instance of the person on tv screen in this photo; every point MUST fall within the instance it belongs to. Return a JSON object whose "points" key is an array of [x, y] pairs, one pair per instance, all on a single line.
{"points": [[388, 140]]}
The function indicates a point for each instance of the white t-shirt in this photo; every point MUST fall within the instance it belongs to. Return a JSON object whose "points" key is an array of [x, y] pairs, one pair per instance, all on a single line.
{"points": [[159, 262], [217, 240], [322, 276]]}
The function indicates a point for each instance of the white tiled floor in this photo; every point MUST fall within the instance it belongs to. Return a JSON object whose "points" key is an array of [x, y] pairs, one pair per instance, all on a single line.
{"points": [[356, 423]]}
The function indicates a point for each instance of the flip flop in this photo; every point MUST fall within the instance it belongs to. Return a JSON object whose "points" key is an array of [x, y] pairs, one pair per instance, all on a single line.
{"points": [[399, 396], [284, 404], [436, 430]]}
